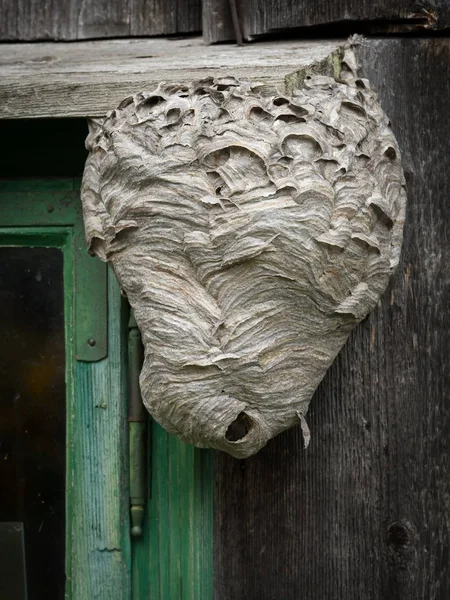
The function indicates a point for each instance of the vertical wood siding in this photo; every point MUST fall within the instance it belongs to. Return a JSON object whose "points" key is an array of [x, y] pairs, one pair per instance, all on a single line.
{"points": [[364, 511], [259, 17], [33, 20], [173, 558], [100, 565]]}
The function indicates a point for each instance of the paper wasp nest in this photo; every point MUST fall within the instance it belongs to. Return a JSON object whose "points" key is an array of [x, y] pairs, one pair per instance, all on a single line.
{"points": [[251, 233]]}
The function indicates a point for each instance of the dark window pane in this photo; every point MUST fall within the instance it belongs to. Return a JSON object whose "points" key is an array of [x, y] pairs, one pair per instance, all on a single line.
{"points": [[32, 410], [42, 147]]}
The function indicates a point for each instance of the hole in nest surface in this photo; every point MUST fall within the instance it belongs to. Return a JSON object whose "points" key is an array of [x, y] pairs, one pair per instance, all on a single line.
{"points": [[390, 153], [290, 119], [151, 102], [238, 429], [259, 114], [382, 216], [280, 101], [173, 115]]}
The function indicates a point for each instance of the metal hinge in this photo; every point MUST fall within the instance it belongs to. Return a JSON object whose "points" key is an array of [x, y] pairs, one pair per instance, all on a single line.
{"points": [[137, 417]]}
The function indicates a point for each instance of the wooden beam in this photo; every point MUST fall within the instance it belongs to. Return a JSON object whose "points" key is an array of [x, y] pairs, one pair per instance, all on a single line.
{"points": [[86, 79]]}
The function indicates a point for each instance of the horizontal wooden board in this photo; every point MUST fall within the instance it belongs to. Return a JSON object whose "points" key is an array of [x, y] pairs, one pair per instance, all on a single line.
{"points": [[364, 512], [36, 20], [86, 79], [261, 17]]}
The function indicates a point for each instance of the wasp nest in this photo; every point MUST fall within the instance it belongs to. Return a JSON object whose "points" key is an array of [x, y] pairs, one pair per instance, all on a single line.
{"points": [[251, 232]]}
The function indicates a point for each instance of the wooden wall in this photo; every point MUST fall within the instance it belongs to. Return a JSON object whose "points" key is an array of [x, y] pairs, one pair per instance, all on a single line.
{"points": [[32, 20], [261, 17], [364, 512]]}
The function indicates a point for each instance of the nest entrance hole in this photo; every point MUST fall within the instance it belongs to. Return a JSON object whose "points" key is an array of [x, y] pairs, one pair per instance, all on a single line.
{"points": [[238, 429]]}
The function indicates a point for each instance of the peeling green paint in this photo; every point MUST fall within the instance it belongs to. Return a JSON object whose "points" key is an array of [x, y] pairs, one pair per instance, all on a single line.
{"points": [[98, 556], [174, 558]]}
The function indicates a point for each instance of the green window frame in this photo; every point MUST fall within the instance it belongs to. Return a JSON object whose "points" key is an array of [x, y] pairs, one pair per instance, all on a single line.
{"points": [[173, 558]]}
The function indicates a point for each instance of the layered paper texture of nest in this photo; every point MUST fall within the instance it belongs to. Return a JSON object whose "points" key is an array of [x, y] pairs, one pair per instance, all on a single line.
{"points": [[250, 231]]}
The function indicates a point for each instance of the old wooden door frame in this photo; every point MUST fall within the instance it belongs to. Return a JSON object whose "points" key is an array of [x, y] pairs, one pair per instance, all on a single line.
{"points": [[174, 556], [48, 213]]}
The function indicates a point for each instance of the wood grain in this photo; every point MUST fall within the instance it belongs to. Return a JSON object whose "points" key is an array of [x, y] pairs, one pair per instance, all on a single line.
{"points": [[87, 79], [260, 17], [98, 553], [99, 528], [217, 23], [35, 20], [174, 557], [364, 512], [189, 16], [159, 17]]}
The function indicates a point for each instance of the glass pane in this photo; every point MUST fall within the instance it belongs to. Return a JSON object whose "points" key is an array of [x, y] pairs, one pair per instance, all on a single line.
{"points": [[32, 410]]}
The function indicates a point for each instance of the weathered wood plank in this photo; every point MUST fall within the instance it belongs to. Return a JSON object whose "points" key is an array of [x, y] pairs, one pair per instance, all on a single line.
{"points": [[99, 501], [159, 17], [35, 20], [217, 23], [101, 18], [153, 17], [189, 16], [174, 558], [89, 78], [364, 512], [260, 17]]}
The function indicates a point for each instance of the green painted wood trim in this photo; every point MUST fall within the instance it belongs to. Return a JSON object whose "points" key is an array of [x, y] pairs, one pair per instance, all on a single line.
{"points": [[37, 237], [174, 558], [91, 303], [57, 203], [39, 185], [98, 554], [99, 472]]}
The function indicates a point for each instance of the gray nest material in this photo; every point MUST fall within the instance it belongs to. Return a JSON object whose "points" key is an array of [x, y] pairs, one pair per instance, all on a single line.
{"points": [[251, 232]]}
